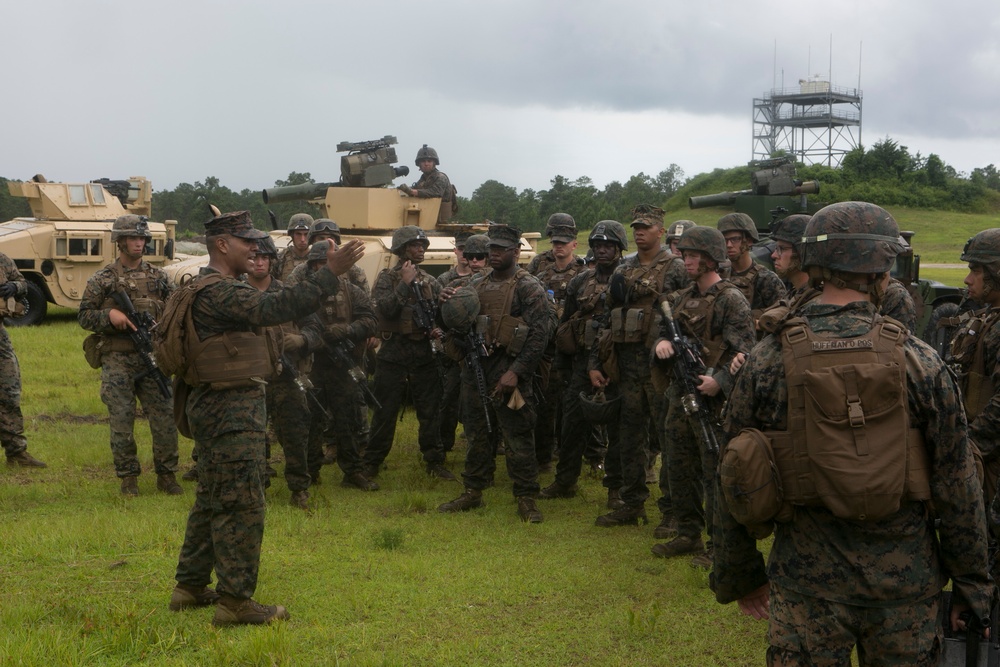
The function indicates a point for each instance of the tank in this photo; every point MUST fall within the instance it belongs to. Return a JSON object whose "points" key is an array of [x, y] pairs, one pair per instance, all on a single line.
{"points": [[366, 207], [68, 237]]}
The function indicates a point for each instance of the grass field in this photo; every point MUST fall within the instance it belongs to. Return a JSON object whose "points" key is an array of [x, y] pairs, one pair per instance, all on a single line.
{"points": [[369, 579]]}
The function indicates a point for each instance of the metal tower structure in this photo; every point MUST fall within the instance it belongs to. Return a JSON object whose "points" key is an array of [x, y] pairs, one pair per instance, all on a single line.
{"points": [[815, 122]]}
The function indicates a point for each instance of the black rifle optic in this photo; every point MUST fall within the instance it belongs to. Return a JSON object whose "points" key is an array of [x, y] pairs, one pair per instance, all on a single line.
{"points": [[687, 366], [340, 354], [143, 323]]}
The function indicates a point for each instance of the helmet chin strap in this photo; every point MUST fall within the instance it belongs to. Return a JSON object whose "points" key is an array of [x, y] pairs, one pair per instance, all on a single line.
{"points": [[873, 286]]}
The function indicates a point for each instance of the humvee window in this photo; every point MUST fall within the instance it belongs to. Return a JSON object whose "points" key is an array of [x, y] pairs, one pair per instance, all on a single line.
{"points": [[78, 247], [97, 192], [78, 195]]}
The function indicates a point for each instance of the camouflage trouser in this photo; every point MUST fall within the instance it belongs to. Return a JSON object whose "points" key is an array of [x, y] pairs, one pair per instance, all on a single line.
{"points": [[805, 631], [11, 419], [691, 469], [451, 403], [226, 525], [119, 391], [288, 410], [389, 388], [341, 398], [639, 400], [518, 428], [576, 440], [549, 420]]}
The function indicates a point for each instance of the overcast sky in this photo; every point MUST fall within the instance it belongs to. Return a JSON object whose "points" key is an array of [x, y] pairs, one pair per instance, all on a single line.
{"points": [[517, 91]]}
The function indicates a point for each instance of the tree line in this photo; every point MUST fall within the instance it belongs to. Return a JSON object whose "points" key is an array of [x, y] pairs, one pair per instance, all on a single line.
{"points": [[886, 174]]}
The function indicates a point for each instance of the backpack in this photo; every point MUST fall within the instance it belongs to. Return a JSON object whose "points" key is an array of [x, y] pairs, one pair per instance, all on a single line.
{"points": [[170, 339]]}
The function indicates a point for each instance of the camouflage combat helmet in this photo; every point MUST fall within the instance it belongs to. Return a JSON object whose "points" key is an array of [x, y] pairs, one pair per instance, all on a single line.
{"points": [[318, 251], [677, 228], [704, 239], [560, 222], [265, 246], [404, 235], [299, 221], [738, 222], [790, 229], [427, 152], [984, 249], [853, 237], [477, 244], [611, 231], [461, 310], [130, 225], [324, 226]]}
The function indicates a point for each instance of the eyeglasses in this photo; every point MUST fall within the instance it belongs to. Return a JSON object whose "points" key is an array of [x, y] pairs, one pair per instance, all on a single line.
{"points": [[782, 249], [734, 239], [475, 257]]}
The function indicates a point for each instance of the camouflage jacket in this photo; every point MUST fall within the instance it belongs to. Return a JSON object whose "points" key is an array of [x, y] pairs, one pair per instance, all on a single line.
{"points": [[984, 428], [356, 275], [898, 304], [389, 295], [761, 286], [881, 563], [544, 268], [10, 274], [231, 305], [434, 184], [93, 316], [578, 306], [287, 262], [452, 275]]}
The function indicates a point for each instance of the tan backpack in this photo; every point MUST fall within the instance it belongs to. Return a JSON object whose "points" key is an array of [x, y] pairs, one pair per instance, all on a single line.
{"points": [[170, 340]]}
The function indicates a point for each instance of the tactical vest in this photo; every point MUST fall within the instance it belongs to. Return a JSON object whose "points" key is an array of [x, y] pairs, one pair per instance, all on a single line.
{"points": [[634, 321], [404, 324], [146, 293], [967, 352], [556, 281], [288, 263], [695, 313], [848, 444], [745, 282], [583, 324], [500, 329]]}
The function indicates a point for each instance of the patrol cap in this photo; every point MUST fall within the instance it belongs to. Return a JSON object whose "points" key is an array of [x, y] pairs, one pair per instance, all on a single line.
{"points": [[646, 215], [237, 223], [461, 238], [504, 236], [478, 244], [265, 246], [563, 234]]}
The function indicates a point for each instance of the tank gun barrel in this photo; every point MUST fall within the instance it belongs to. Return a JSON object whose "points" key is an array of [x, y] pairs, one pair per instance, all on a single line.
{"points": [[719, 199], [303, 191]]}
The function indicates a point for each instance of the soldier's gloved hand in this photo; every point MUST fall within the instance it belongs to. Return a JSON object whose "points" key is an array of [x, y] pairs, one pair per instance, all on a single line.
{"points": [[8, 290], [336, 332], [405, 188], [293, 342]]}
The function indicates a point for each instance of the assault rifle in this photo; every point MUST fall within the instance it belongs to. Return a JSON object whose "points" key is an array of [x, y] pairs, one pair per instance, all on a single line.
{"points": [[143, 323], [687, 366], [424, 315], [475, 351], [340, 354], [301, 383]]}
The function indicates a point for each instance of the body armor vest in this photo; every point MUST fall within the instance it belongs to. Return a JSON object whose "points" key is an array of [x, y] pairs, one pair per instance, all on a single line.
{"points": [[146, 293], [695, 312], [500, 329], [967, 352], [556, 281], [404, 324], [746, 281], [634, 322], [584, 322]]}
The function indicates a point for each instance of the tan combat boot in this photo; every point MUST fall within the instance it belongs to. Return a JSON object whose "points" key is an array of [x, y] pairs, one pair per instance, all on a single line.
{"points": [[168, 484], [188, 597], [130, 486], [235, 611]]}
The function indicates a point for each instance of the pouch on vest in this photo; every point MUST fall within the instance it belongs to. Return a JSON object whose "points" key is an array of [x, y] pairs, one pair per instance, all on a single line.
{"points": [[608, 356], [565, 338], [233, 359], [750, 482], [93, 350]]}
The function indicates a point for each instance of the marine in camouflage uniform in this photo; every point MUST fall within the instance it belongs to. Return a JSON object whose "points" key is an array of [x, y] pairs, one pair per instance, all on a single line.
{"points": [[714, 313], [631, 324], [516, 321], [407, 357], [586, 297], [12, 286], [898, 304], [432, 183], [347, 320], [321, 230], [148, 288], [834, 583], [555, 269], [451, 400], [226, 524], [759, 285], [295, 253]]}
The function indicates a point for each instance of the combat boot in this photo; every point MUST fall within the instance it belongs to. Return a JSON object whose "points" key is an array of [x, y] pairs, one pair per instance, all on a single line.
{"points": [[626, 515], [528, 510], [679, 546], [596, 468], [130, 486], [314, 478], [25, 460], [667, 528], [300, 499], [557, 490], [329, 455], [438, 470], [469, 500], [191, 475], [359, 481], [168, 484], [234, 611], [704, 560], [188, 597], [615, 499]]}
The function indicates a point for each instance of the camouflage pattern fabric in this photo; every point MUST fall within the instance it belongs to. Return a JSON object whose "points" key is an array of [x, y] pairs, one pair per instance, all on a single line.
{"points": [[119, 390], [226, 524], [436, 184], [449, 413], [288, 260], [761, 286], [898, 304], [690, 469], [886, 564], [11, 418], [355, 276]]}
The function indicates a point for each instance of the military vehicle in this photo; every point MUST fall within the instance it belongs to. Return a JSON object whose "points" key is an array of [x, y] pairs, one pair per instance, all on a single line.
{"points": [[365, 208], [934, 301], [68, 237]]}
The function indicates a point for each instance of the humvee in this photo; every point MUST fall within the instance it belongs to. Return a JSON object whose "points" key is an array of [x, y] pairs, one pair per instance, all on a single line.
{"points": [[68, 237]]}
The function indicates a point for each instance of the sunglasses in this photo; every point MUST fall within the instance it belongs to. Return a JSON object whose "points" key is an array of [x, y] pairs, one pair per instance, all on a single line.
{"points": [[477, 256]]}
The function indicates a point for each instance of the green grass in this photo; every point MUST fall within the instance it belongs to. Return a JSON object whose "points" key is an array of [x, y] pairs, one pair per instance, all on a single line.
{"points": [[369, 579]]}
